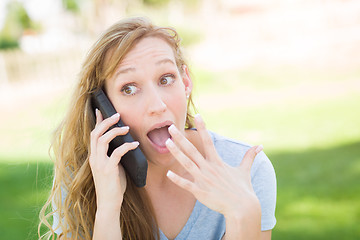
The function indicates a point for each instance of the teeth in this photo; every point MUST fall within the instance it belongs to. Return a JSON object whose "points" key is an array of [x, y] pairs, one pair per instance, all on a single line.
{"points": [[161, 127], [167, 125]]}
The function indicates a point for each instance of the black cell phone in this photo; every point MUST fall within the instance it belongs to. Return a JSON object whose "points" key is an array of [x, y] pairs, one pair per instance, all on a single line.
{"points": [[134, 161]]}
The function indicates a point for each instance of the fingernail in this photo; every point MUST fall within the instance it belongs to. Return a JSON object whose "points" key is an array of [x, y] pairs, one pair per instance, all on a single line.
{"points": [[136, 143], [169, 173], [172, 128], [259, 149], [125, 127], [96, 112], [116, 115], [169, 143]]}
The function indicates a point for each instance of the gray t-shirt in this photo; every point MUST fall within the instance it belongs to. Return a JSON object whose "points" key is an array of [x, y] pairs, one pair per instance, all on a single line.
{"points": [[204, 223]]}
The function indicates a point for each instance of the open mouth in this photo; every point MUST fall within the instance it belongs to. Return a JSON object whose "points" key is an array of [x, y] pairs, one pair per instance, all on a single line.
{"points": [[159, 135]]}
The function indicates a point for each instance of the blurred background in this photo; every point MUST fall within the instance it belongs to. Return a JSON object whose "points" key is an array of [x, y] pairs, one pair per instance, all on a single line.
{"points": [[282, 73]]}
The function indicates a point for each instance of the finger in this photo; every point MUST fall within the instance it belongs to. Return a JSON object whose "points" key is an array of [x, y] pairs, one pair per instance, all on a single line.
{"points": [[101, 127], [104, 125], [206, 139], [249, 157], [186, 146], [104, 140], [99, 116], [93, 141], [182, 182], [189, 165], [119, 152]]}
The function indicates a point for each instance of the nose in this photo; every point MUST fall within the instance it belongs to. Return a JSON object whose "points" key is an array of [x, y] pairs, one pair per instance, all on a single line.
{"points": [[155, 102]]}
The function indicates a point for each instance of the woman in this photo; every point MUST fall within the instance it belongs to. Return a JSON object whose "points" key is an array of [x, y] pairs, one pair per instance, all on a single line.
{"points": [[199, 185]]}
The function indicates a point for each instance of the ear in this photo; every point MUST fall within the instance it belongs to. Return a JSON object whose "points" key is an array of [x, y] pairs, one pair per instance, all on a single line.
{"points": [[187, 80]]}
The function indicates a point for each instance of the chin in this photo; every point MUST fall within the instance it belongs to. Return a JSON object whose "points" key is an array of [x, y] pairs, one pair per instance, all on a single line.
{"points": [[164, 160]]}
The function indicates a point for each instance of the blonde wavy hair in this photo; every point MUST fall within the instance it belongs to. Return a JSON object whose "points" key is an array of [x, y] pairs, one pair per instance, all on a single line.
{"points": [[72, 199]]}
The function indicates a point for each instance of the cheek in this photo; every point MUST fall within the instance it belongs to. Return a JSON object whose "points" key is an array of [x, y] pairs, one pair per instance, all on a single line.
{"points": [[130, 117], [134, 121], [177, 104]]}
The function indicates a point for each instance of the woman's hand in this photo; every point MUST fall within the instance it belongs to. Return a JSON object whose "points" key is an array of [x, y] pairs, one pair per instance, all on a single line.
{"points": [[217, 185], [109, 176]]}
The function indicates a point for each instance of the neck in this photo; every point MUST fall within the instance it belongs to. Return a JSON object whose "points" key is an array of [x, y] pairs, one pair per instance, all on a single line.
{"points": [[156, 176]]}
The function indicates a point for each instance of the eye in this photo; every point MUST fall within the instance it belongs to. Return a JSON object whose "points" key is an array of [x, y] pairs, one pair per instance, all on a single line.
{"points": [[167, 79], [129, 89]]}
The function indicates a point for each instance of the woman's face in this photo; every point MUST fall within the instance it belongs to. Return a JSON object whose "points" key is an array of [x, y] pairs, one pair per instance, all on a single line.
{"points": [[149, 92]]}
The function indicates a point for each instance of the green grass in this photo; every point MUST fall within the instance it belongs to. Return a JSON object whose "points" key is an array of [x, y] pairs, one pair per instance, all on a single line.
{"points": [[291, 126], [24, 188], [318, 193], [312, 141]]}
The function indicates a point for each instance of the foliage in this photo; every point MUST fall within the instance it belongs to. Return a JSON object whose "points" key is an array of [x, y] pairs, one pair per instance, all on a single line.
{"points": [[156, 2], [17, 20], [7, 42], [189, 3], [189, 36], [71, 5]]}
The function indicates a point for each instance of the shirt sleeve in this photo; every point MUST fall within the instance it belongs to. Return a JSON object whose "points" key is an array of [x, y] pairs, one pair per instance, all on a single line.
{"points": [[263, 180], [56, 216], [56, 223]]}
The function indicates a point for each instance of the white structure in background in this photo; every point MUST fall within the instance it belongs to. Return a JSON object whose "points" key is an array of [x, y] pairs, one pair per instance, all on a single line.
{"points": [[55, 23], [3, 75], [2, 12]]}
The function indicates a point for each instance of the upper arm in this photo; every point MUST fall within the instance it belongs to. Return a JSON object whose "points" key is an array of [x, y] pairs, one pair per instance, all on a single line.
{"points": [[264, 183], [265, 235]]}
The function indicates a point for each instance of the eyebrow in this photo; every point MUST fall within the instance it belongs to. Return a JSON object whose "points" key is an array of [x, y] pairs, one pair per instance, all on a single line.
{"points": [[132, 69], [165, 60]]}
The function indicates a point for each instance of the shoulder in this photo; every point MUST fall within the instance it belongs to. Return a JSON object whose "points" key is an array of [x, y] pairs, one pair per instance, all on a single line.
{"points": [[232, 152], [227, 146], [263, 177]]}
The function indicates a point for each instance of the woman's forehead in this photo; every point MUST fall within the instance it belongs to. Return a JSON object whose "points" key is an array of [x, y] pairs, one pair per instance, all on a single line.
{"points": [[149, 50], [153, 49]]}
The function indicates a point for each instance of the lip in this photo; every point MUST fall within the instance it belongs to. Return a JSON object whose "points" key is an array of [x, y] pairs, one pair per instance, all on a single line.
{"points": [[158, 148], [160, 125]]}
